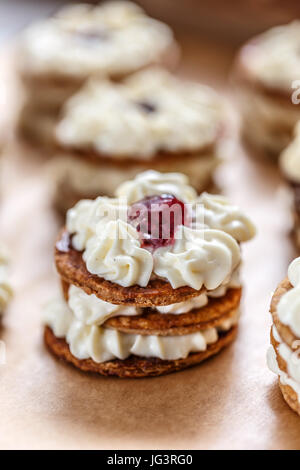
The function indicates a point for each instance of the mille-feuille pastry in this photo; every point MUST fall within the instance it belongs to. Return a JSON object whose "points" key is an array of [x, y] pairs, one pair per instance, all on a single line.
{"points": [[290, 167], [264, 74], [110, 132], [58, 54], [149, 279], [5, 286], [283, 355]]}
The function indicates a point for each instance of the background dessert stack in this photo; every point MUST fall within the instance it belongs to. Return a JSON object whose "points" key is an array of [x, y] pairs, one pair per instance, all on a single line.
{"points": [[265, 72], [283, 355], [290, 167], [150, 278], [110, 132], [58, 54]]}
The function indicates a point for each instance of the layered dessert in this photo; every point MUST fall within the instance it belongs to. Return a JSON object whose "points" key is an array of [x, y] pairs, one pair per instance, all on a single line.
{"points": [[283, 355], [265, 73], [150, 278], [58, 54], [110, 132], [290, 167]]}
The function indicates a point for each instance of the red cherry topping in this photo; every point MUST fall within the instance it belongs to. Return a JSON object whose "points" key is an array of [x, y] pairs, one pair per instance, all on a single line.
{"points": [[156, 218]]}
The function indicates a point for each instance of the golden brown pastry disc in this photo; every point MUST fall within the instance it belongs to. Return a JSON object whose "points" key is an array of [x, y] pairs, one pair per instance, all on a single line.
{"points": [[72, 269], [134, 366]]}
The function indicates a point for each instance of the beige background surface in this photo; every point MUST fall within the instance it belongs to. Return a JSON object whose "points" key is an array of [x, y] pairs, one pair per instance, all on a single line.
{"points": [[231, 401]]}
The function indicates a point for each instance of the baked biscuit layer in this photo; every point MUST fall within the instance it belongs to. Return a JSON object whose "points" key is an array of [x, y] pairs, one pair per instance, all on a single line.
{"points": [[284, 331], [72, 269], [134, 366], [151, 322]]}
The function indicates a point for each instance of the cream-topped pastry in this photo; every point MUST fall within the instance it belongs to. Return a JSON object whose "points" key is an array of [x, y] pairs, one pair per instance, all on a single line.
{"points": [[266, 70], [58, 54], [110, 132], [113, 38], [273, 57], [150, 112], [149, 275], [290, 167]]}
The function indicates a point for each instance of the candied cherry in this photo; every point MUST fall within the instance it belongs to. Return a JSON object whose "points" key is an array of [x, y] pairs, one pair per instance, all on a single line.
{"points": [[156, 218]]}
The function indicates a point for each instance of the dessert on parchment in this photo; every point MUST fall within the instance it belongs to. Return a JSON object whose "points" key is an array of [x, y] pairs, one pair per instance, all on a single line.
{"points": [[265, 73], [283, 355], [150, 278], [57, 55], [110, 132]]}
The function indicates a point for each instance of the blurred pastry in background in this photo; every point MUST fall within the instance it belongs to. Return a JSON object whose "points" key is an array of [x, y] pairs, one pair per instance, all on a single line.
{"points": [[264, 75], [58, 54], [150, 278], [5, 287], [110, 132], [283, 355], [290, 167]]}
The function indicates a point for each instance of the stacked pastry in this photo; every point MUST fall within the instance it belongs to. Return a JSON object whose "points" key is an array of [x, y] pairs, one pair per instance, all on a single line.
{"points": [[5, 287], [110, 132], [150, 278], [283, 355], [290, 166], [265, 72], [57, 55]]}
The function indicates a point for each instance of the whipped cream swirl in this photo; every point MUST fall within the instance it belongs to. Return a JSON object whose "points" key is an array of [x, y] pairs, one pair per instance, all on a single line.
{"points": [[218, 213], [150, 183], [201, 255], [110, 39], [149, 113], [198, 258]]}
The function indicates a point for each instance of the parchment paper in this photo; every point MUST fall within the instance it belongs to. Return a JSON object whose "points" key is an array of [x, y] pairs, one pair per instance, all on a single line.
{"points": [[231, 401]]}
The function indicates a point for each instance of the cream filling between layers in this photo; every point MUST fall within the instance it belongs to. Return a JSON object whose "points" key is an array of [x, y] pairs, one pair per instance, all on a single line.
{"points": [[92, 310], [292, 378], [114, 38], [104, 344]]}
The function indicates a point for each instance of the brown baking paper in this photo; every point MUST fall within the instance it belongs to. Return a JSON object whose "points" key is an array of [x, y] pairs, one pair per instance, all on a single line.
{"points": [[231, 401]]}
